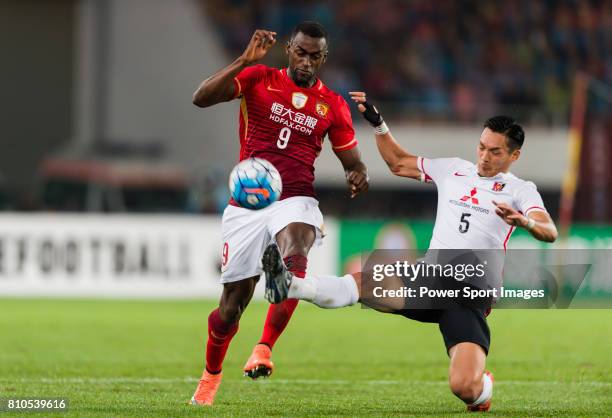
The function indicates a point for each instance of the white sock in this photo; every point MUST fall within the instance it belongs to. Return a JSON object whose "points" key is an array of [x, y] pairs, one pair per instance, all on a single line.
{"points": [[325, 291], [487, 390], [303, 289]]}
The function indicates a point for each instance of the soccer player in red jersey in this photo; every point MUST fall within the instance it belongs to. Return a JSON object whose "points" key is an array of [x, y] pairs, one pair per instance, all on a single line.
{"points": [[284, 116]]}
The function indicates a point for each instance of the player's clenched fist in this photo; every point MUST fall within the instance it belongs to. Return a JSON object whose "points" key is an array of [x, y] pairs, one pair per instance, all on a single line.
{"points": [[261, 41]]}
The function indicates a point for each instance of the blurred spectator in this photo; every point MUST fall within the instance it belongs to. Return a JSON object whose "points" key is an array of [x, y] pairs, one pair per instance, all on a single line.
{"points": [[446, 59]]}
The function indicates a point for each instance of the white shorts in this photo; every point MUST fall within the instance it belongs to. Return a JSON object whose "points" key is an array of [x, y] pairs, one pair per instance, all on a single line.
{"points": [[247, 233]]}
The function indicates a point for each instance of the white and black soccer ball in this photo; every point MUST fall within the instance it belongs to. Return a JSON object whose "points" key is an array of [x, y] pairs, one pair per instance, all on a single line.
{"points": [[255, 183]]}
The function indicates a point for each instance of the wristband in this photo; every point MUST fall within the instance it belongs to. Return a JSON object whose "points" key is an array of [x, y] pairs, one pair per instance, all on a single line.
{"points": [[530, 224], [381, 129]]}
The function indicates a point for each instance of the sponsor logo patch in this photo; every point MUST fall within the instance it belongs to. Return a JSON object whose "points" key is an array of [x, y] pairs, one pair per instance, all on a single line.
{"points": [[498, 187], [298, 100], [472, 196]]}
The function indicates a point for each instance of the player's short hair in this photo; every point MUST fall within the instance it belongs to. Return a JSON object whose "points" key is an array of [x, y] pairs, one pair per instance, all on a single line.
{"points": [[507, 126], [312, 29]]}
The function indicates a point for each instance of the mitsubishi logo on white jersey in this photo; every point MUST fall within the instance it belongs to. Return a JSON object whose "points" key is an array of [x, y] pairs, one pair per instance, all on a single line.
{"points": [[471, 196]]}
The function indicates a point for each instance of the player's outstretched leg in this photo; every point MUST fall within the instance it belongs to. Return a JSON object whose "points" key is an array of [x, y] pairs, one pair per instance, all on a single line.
{"points": [[323, 291], [222, 326]]}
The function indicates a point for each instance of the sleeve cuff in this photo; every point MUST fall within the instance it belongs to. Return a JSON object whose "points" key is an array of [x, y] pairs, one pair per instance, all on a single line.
{"points": [[532, 208], [349, 145], [425, 178], [237, 87]]}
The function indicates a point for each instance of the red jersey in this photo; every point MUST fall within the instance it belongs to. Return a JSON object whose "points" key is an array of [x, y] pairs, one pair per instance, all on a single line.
{"points": [[285, 124]]}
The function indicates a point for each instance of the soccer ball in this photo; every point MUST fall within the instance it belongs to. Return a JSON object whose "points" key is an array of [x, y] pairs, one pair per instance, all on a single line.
{"points": [[255, 183]]}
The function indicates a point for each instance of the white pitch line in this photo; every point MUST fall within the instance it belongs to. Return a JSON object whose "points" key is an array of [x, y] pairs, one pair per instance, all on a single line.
{"points": [[112, 380]]}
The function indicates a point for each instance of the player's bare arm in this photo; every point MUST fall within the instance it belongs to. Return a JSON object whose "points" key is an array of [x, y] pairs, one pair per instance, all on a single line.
{"points": [[220, 86], [355, 171], [538, 223], [400, 162]]}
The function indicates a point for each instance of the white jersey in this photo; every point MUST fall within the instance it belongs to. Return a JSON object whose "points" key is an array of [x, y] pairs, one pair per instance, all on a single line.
{"points": [[466, 217]]}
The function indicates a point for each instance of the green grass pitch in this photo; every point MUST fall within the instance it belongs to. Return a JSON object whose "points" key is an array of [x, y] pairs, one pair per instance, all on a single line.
{"points": [[142, 358]]}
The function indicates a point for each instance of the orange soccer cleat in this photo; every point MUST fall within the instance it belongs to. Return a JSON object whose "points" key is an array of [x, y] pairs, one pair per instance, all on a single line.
{"points": [[485, 406], [207, 389], [259, 364]]}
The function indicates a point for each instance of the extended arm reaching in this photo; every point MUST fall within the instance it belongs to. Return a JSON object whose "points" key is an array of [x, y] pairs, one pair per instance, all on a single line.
{"points": [[220, 86], [400, 162]]}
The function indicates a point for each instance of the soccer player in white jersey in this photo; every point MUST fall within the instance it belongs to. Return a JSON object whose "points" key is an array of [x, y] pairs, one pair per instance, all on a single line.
{"points": [[479, 206]]}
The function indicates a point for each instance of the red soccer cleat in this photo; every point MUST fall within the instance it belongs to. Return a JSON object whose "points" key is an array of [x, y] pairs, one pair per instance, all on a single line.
{"points": [[207, 389], [485, 406], [259, 364]]}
